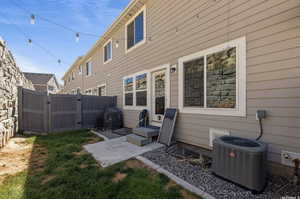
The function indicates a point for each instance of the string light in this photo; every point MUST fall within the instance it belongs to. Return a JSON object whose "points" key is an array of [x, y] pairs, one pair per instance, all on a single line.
{"points": [[29, 41], [59, 61], [77, 37], [32, 19]]}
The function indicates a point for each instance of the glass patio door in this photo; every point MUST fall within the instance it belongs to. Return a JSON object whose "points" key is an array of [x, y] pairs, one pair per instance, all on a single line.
{"points": [[158, 95]]}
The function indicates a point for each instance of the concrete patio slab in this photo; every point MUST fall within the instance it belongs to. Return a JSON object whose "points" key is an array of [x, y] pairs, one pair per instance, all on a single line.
{"points": [[116, 150]]}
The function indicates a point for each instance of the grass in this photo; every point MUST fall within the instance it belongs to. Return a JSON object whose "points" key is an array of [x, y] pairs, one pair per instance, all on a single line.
{"points": [[60, 169]]}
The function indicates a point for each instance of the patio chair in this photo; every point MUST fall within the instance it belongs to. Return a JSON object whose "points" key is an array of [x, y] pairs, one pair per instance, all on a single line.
{"points": [[167, 129]]}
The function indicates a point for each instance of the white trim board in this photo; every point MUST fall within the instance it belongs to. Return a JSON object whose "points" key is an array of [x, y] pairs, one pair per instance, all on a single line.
{"points": [[240, 109]]}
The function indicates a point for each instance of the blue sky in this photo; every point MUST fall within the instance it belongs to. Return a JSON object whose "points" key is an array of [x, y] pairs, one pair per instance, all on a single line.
{"points": [[92, 16]]}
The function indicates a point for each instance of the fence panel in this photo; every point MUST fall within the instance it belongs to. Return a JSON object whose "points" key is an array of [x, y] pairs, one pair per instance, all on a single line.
{"points": [[93, 108], [63, 112], [34, 111], [54, 113]]}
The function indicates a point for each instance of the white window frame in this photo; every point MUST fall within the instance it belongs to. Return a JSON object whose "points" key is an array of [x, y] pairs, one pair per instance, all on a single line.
{"points": [[240, 109], [134, 107], [111, 51], [91, 68], [102, 85], [143, 9]]}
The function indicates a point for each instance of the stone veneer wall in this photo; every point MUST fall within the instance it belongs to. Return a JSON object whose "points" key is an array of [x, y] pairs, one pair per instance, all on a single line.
{"points": [[10, 78]]}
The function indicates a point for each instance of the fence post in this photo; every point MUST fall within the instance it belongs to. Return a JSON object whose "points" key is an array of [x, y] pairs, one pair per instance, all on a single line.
{"points": [[114, 101], [49, 113], [20, 109], [79, 124]]}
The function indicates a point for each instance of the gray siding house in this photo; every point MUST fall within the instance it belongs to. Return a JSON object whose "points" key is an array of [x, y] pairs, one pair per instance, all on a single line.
{"points": [[43, 82], [218, 62]]}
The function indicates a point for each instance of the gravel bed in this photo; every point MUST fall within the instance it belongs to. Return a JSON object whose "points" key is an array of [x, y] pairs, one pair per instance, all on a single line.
{"points": [[278, 187]]}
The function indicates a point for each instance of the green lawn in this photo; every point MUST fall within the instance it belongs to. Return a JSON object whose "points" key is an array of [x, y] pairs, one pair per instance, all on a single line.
{"points": [[60, 169]]}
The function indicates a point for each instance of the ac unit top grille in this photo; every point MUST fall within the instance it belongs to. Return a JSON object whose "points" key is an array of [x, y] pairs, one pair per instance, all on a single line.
{"points": [[239, 141]]}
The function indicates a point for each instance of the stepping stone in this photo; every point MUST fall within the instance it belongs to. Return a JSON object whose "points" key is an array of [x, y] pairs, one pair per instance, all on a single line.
{"points": [[146, 132], [138, 140]]}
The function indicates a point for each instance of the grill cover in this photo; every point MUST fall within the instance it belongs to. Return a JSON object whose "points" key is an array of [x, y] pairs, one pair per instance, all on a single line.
{"points": [[113, 118]]}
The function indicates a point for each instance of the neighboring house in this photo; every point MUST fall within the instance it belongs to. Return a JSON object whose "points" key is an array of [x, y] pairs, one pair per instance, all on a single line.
{"points": [[42, 82], [218, 62]]}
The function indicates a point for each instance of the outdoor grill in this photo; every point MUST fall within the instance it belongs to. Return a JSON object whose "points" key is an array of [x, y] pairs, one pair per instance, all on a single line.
{"points": [[113, 118]]}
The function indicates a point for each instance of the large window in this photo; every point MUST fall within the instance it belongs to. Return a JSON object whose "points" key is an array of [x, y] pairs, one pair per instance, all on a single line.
{"points": [[135, 30], [107, 51], [135, 90], [213, 81], [88, 68]]}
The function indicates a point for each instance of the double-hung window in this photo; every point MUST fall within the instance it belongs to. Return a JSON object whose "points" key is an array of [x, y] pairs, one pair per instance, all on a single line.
{"points": [[107, 51], [88, 68], [213, 81], [135, 30], [136, 91]]}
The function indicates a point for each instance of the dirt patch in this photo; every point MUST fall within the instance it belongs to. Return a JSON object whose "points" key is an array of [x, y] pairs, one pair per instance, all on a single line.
{"points": [[171, 184], [82, 166], [119, 177], [80, 153], [94, 140], [19, 155], [187, 195], [15, 156], [136, 164], [48, 178]]}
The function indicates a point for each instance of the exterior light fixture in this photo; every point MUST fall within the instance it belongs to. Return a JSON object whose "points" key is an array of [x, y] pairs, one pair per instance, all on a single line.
{"points": [[117, 44], [32, 19]]}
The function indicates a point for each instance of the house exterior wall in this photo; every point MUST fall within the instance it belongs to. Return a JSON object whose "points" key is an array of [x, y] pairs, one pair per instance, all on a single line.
{"points": [[52, 84], [272, 34]]}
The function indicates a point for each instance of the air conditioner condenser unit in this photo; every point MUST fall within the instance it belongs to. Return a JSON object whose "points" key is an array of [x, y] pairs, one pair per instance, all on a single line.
{"points": [[242, 161]]}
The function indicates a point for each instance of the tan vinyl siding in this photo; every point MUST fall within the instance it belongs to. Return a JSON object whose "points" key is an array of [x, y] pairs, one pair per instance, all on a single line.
{"points": [[272, 30]]}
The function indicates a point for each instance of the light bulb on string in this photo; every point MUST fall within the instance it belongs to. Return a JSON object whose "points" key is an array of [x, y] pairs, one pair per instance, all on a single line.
{"points": [[77, 37], [32, 19], [29, 41], [59, 61]]}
